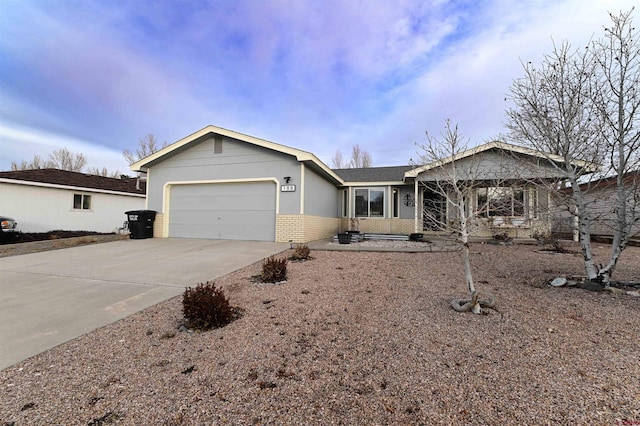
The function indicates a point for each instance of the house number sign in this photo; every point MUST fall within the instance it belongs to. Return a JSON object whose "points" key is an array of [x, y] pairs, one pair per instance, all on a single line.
{"points": [[287, 188], [408, 200]]}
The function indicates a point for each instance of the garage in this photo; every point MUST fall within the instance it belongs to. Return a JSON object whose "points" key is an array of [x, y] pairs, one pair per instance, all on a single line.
{"points": [[227, 211]]}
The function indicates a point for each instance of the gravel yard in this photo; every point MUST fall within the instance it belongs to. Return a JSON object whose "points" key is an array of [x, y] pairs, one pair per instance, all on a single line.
{"points": [[358, 338]]}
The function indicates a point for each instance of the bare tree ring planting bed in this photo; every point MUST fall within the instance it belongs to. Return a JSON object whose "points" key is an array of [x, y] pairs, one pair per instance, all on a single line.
{"points": [[358, 338]]}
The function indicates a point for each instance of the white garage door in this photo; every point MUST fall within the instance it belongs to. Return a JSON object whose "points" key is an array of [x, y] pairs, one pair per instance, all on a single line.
{"points": [[227, 211]]}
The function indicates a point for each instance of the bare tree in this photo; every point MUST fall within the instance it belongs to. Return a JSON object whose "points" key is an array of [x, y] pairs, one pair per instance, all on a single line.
{"points": [[618, 72], [146, 146], [453, 185], [62, 159], [36, 163], [337, 161], [585, 105], [103, 172], [360, 158]]}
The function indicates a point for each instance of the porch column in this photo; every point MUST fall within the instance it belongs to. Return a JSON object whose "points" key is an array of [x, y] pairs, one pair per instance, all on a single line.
{"points": [[416, 212]]}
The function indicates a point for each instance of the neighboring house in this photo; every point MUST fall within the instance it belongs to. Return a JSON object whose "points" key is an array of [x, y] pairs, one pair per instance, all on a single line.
{"points": [[43, 200], [600, 196], [221, 184]]}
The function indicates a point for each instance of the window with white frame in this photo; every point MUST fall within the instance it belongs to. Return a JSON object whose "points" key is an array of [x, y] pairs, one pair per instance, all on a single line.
{"points": [[500, 201], [369, 202], [345, 202], [81, 202], [395, 208]]}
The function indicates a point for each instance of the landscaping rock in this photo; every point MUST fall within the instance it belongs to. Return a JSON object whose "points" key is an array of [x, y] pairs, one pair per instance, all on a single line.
{"points": [[558, 282]]}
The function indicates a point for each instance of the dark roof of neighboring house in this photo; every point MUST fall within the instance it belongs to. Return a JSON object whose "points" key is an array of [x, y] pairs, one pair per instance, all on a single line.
{"points": [[628, 178], [81, 180], [374, 174]]}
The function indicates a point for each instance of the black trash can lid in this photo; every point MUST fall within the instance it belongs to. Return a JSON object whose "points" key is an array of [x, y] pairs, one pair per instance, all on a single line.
{"points": [[141, 212]]}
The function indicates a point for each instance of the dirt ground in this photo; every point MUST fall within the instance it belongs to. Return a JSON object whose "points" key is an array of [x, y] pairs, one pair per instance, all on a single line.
{"points": [[35, 243], [359, 338]]}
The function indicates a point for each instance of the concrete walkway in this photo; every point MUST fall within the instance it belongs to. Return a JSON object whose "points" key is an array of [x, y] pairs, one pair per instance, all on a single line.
{"points": [[49, 298]]}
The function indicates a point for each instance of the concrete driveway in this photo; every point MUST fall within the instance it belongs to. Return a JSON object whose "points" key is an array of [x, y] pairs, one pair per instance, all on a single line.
{"points": [[49, 298]]}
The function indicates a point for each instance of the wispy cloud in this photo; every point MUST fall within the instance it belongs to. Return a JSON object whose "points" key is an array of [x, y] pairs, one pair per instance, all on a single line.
{"points": [[320, 76]]}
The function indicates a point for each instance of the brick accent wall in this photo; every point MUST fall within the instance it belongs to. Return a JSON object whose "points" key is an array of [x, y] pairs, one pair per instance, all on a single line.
{"points": [[380, 226], [304, 228], [317, 228], [158, 226]]}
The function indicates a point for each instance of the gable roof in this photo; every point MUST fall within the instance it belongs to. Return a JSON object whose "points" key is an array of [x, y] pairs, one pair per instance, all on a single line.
{"points": [[303, 156], [374, 174], [501, 146], [73, 180]]}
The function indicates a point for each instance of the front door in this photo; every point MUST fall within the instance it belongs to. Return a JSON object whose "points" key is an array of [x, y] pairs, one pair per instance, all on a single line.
{"points": [[434, 211]]}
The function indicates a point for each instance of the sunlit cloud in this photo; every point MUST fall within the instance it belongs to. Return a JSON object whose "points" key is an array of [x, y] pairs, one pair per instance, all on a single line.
{"points": [[319, 76]]}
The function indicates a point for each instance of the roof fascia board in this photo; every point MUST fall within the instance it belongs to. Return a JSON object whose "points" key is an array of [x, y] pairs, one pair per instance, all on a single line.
{"points": [[68, 187], [323, 167], [376, 183], [302, 156]]}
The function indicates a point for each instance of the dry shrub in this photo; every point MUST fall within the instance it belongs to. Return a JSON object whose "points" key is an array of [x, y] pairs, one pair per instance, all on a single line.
{"points": [[206, 306], [274, 270], [301, 252]]}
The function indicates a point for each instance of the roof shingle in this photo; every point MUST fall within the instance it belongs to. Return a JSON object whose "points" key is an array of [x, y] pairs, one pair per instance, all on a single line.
{"points": [[81, 180]]}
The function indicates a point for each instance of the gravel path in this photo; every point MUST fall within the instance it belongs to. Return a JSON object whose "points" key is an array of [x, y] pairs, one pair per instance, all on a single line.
{"points": [[358, 338]]}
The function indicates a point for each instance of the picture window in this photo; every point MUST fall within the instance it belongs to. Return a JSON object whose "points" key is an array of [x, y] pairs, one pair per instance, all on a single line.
{"points": [[500, 201], [369, 202]]}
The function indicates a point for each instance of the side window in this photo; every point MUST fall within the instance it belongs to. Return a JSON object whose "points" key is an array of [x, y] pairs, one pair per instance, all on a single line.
{"points": [[345, 203], [396, 203], [81, 202]]}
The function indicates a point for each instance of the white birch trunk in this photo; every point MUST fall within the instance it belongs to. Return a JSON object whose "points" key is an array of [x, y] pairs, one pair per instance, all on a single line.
{"points": [[464, 237], [620, 234], [584, 225]]}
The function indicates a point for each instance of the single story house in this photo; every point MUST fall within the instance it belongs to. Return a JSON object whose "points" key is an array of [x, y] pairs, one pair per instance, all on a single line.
{"points": [[43, 200], [221, 184]]}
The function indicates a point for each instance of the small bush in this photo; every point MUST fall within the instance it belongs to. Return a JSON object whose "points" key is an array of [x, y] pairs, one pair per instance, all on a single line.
{"points": [[274, 270], [503, 238], [540, 236], [552, 240], [301, 252], [205, 307]]}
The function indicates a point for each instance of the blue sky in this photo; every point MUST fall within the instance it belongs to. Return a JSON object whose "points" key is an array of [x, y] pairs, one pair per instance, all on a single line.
{"points": [[95, 76]]}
